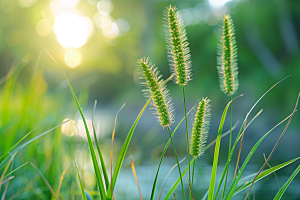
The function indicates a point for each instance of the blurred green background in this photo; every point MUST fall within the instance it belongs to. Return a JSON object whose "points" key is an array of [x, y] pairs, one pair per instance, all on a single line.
{"points": [[97, 43]]}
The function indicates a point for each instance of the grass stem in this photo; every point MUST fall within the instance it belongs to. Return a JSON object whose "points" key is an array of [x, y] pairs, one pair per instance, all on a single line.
{"points": [[187, 133], [177, 162]]}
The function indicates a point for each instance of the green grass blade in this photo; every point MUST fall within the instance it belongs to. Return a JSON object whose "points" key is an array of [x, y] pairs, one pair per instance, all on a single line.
{"points": [[163, 184], [192, 162], [15, 170], [28, 142], [233, 185], [239, 134], [16, 144], [162, 156], [283, 188], [80, 183], [99, 151], [263, 174], [123, 152], [45, 180], [92, 150], [175, 184], [216, 155]]}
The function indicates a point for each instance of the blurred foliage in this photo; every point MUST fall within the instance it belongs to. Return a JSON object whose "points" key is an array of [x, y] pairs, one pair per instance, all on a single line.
{"points": [[34, 94]]}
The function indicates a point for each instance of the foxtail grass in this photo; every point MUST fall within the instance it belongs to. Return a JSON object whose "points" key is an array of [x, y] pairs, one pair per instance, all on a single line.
{"points": [[151, 79], [179, 56], [200, 132], [155, 87], [227, 58], [227, 67]]}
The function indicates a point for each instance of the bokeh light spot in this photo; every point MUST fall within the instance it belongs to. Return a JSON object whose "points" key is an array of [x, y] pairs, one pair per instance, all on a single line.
{"points": [[72, 30], [105, 7], [43, 27], [73, 58], [27, 3], [68, 128], [187, 16], [123, 26], [111, 31]]}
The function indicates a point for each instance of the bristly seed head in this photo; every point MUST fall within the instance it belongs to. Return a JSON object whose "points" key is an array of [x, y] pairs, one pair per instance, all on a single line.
{"points": [[177, 46], [200, 128], [155, 87], [227, 58]]}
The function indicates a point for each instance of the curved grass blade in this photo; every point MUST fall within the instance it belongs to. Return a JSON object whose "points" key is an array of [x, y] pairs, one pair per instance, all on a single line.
{"points": [[135, 176], [162, 156], [277, 143], [239, 134], [45, 180], [99, 150], [178, 179], [233, 185], [175, 184], [216, 154], [162, 186], [65, 171], [16, 144], [283, 188], [123, 152], [112, 141], [80, 183], [15, 170], [28, 142], [263, 174], [3, 173], [92, 150]]}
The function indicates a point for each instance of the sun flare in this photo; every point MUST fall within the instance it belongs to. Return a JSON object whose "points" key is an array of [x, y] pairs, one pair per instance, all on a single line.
{"points": [[72, 31]]}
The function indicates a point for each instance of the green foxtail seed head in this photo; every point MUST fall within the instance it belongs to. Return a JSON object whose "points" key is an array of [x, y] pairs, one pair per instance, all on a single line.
{"points": [[177, 46], [227, 58], [150, 78], [200, 128]]}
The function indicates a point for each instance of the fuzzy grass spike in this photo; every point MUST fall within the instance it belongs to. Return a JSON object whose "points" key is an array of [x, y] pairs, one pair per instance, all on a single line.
{"points": [[227, 58], [177, 46], [155, 88], [200, 128]]}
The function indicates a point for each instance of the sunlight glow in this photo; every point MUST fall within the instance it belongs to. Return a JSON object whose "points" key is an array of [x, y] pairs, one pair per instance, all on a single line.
{"points": [[72, 30], [218, 3], [73, 58]]}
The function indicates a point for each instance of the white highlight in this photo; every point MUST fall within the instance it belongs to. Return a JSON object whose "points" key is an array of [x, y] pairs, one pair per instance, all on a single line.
{"points": [[72, 30]]}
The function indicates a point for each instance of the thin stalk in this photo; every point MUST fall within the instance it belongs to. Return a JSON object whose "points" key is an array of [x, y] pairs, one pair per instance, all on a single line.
{"points": [[193, 174], [229, 148], [177, 162], [187, 133]]}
